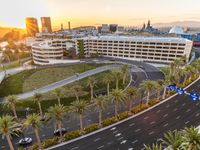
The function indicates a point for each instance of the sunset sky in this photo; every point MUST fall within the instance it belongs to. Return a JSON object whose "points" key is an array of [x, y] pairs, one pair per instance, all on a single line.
{"points": [[95, 12]]}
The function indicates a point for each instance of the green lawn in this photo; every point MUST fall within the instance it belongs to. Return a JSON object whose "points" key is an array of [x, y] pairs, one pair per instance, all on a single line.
{"points": [[36, 78], [10, 66]]}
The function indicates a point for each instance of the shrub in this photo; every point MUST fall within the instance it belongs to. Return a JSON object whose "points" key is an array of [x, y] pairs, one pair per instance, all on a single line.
{"points": [[49, 142], [153, 102], [91, 128], [139, 108], [20, 148], [72, 135], [109, 121], [34, 147], [123, 115]]}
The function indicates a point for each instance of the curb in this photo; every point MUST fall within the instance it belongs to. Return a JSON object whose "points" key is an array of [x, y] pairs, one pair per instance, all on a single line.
{"points": [[105, 128]]}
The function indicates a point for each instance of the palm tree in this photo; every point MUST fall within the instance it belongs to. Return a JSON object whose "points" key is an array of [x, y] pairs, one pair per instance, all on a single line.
{"points": [[153, 147], [131, 93], [58, 93], [91, 83], [38, 98], [117, 76], [118, 97], [79, 106], [107, 80], [125, 70], [57, 114], [17, 52], [148, 86], [76, 89], [191, 137], [191, 71], [159, 86], [173, 140], [11, 101], [34, 120], [100, 102], [7, 128]]}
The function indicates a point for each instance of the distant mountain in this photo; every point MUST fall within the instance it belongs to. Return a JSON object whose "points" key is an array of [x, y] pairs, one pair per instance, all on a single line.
{"points": [[190, 24], [4, 30]]}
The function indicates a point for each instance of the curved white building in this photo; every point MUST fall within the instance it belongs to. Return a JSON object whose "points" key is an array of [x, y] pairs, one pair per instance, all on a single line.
{"points": [[48, 51], [176, 30]]}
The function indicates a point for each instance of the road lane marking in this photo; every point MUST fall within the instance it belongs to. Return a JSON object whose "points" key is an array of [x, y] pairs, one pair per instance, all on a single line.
{"points": [[152, 122], [97, 139], [197, 115], [165, 115], [115, 131], [119, 134], [146, 118], [75, 148], [120, 138], [183, 104], [165, 125], [152, 132], [123, 142], [158, 111], [100, 147], [168, 106], [137, 130], [177, 117], [132, 124], [113, 128], [188, 110], [130, 148], [175, 109], [134, 142], [187, 122]]}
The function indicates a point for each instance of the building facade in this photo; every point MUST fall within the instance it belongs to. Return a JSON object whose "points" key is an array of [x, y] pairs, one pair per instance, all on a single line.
{"points": [[31, 26], [149, 49], [46, 24]]}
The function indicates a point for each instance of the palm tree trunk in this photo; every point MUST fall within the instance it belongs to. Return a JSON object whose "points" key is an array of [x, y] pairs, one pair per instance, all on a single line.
{"points": [[59, 103], [92, 93], [38, 138], [60, 130], [40, 109], [9, 142], [184, 82], [14, 112], [148, 95], [77, 97], [124, 78], [158, 95], [117, 83], [108, 89], [164, 93], [100, 117], [116, 109], [81, 122]]}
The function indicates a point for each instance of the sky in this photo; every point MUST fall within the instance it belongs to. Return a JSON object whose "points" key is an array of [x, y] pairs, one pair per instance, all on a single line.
{"points": [[96, 12]]}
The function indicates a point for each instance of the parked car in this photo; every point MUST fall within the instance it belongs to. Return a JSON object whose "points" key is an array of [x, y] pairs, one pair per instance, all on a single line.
{"points": [[57, 132]]}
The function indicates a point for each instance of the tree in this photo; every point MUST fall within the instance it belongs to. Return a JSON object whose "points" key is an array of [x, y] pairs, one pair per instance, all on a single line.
{"points": [[173, 140], [91, 83], [7, 128], [57, 114], [117, 76], [153, 147], [76, 89], [117, 97], [79, 106], [125, 70], [191, 138], [11, 103], [58, 93], [34, 121], [131, 93], [148, 86], [159, 86], [17, 52], [100, 103], [38, 98], [107, 80]]}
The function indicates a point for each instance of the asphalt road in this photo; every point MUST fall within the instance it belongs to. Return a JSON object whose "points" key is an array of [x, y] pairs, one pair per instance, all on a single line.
{"points": [[177, 113], [90, 116]]}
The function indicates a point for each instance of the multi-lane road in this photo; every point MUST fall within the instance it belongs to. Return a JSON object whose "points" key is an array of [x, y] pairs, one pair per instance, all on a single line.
{"points": [[177, 113]]}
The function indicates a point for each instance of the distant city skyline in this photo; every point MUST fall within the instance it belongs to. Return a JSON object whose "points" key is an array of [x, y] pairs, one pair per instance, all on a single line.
{"points": [[96, 12]]}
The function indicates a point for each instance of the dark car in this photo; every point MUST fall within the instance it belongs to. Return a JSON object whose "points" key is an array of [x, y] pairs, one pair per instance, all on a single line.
{"points": [[57, 132], [25, 141]]}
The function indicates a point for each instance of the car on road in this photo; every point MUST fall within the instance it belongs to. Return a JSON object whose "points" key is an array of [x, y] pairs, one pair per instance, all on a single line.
{"points": [[141, 67], [25, 141], [57, 132]]}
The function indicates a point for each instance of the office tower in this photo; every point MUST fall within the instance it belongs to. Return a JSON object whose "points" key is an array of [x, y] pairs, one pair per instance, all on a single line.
{"points": [[31, 26], [46, 24], [113, 27], [69, 25], [61, 27], [105, 28]]}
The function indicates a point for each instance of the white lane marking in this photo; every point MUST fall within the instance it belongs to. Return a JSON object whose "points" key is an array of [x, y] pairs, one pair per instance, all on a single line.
{"points": [[97, 139], [132, 124], [157, 111], [183, 104], [113, 128], [188, 110], [152, 132], [137, 130], [165, 125], [100, 147], [168, 106], [187, 122], [176, 101], [175, 109], [115, 131], [152, 122], [109, 143], [197, 104], [197, 115], [119, 134], [123, 142], [146, 118], [130, 148], [75, 148], [177, 117], [165, 115], [120, 138], [134, 141]]}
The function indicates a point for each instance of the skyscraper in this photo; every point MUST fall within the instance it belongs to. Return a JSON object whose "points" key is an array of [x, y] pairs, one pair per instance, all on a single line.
{"points": [[31, 26], [69, 25], [113, 27], [46, 24]]}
